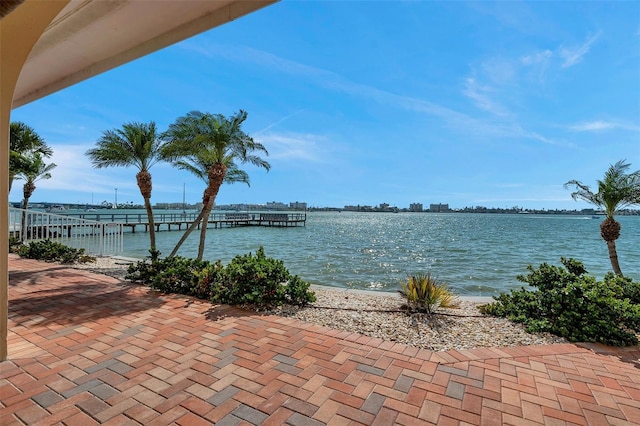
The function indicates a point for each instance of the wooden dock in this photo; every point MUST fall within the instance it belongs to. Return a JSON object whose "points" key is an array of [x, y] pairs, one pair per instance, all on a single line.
{"points": [[173, 221]]}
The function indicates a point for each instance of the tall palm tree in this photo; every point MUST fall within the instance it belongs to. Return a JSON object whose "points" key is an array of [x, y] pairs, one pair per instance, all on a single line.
{"points": [[34, 169], [137, 145], [209, 145], [23, 142], [617, 190]]}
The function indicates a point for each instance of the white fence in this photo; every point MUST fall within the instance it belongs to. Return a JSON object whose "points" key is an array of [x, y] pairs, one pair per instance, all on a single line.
{"points": [[98, 238]]}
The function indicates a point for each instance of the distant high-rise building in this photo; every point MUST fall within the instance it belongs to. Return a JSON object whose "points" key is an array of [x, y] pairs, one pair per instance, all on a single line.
{"points": [[415, 207], [296, 205], [276, 205], [438, 208]]}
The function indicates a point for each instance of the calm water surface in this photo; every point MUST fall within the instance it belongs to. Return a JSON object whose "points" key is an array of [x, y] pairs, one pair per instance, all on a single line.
{"points": [[476, 254]]}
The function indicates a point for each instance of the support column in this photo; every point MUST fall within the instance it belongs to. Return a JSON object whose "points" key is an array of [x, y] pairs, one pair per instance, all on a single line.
{"points": [[19, 32]]}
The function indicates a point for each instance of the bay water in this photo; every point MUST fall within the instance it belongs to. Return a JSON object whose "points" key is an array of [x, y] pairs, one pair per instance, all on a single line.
{"points": [[475, 254]]}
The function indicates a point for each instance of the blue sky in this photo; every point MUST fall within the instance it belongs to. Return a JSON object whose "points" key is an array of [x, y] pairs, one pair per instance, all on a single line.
{"points": [[479, 103]]}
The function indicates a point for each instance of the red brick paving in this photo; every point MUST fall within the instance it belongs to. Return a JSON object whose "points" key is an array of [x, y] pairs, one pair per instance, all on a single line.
{"points": [[87, 349]]}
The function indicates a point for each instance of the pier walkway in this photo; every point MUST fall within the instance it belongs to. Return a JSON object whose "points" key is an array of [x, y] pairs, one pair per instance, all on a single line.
{"points": [[169, 221], [87, 349]]}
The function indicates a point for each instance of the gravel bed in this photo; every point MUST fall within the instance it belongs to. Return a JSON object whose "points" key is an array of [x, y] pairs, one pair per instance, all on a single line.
{"points": [[382, 316]]}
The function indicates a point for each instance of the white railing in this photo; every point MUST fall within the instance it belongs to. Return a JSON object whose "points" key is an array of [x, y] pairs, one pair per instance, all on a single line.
{"points": [[98, 238]]}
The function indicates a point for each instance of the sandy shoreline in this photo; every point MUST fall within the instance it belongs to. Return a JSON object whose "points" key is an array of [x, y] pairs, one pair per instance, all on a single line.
{"points": [[377, 315]]}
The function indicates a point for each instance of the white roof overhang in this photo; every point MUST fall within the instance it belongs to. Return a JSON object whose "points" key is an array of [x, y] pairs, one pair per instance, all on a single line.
{"points": [[89, 37]]}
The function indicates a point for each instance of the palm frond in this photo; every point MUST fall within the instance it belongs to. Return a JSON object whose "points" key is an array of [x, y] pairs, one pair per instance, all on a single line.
{"points": [[35, 169], [23, 139], [617, 190], [193, 169], [133, 145], [235, 175], [204, 139]]}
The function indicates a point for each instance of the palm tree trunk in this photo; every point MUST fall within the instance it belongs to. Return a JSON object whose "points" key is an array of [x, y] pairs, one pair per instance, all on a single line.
{"points": [[188, 232], [216, 176], [27, 191], [143, 178], [23, 220], [610, 232], [152, 226], [613, 256], [206, 211]]}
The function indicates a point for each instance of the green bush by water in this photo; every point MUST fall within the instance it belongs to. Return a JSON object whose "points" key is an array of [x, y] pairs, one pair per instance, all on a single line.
{"points": [[248, 279], [574, 305], [51, 251]]}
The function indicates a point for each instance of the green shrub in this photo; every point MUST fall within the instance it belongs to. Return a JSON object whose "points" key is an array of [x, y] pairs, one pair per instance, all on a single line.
{"points": [[170, 275], [179, 275], [296, 292], [208, 281], [261, 280], [51, 251], [248, 279], [574, 305], [424, 293], [14, 244]]}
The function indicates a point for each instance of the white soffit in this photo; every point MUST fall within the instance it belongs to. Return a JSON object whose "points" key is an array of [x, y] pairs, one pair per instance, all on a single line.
{"points": [[89, 37]]}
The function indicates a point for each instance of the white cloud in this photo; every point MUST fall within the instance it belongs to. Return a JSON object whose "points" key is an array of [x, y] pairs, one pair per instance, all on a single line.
{"points": [[499, 71], [575, 55], [598, 125], [292, 146], [539, 137], [537, 58], [592, 126], [481, 96], [75, 173], [272, 125], [538, 63]]}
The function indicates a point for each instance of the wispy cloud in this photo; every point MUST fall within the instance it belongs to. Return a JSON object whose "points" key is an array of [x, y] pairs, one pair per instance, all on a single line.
{"points": [[480, 94], [538, 62], [537, 57], [274, 124], [600, 125], [293, 147], [575, 55], [75, 173], [451, 118]]}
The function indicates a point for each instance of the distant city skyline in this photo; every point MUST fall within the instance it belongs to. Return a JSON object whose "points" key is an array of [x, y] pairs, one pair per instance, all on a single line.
{"points": [[297, 205], [494, 104]]}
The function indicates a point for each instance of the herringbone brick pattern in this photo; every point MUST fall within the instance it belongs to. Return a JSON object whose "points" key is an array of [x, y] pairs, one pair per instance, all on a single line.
{"points": [[87, 349]]}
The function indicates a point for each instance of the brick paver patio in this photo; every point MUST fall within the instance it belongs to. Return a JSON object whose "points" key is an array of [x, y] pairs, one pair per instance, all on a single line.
{"points": [[87, 349]]}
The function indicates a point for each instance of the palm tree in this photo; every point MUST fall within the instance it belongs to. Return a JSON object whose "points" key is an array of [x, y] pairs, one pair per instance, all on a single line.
{"points": [[34, 169], [209, 145], [23, 142], [617, 190], [137, 145]]}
